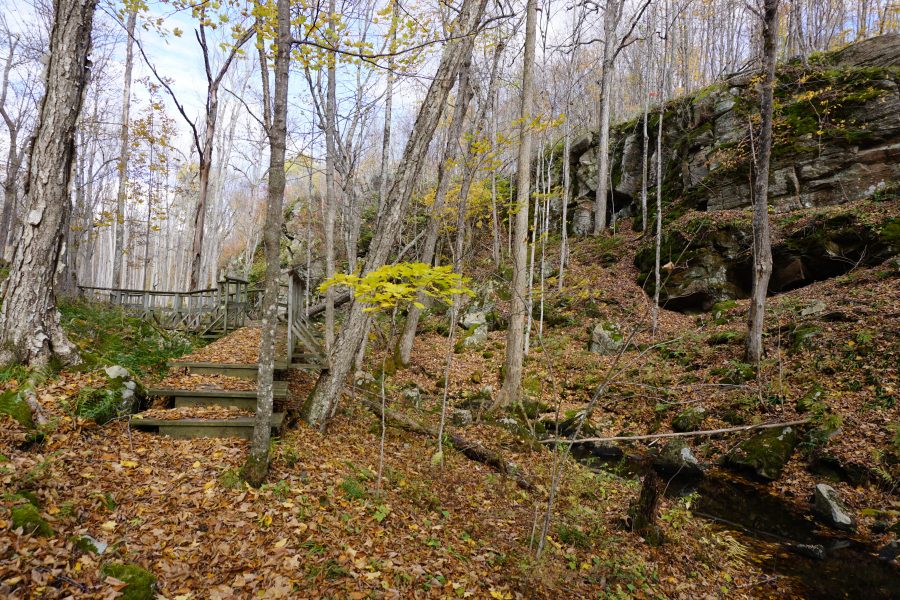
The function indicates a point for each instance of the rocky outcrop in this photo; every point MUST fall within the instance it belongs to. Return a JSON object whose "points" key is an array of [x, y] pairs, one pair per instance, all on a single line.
{"points": [[710, 259], [837, 139]]}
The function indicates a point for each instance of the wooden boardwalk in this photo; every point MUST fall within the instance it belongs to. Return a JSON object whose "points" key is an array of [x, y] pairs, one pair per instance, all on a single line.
{"points": [[218, 313]]}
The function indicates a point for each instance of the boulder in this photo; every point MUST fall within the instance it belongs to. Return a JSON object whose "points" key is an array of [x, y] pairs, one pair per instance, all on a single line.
{"points": [[828, 507], [475, 317], [689, 420], [461, 417], [676, 458], [412, 395], [476, 338], [606, 339], [766, 453], [479, 400], [121, 395]]}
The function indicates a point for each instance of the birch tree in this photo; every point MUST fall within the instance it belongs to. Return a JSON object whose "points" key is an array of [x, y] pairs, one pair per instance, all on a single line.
{"points": [[30, 330], [275, 119], [762, 242], [515, 334], [119, 223]]}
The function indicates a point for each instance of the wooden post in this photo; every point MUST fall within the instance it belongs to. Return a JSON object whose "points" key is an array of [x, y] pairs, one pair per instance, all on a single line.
{"points": [[227, 285], [290, 319]]}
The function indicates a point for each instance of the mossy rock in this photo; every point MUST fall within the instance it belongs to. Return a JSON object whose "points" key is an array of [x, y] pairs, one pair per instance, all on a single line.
{"points": [[29, 519], [689, 420], [12, 404], [141, 583], [533, 408], [122, 395], [766, 453]]}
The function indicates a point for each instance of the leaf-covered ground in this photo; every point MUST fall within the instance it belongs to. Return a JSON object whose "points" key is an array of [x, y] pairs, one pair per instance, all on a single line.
{"points": [[323, 528]]}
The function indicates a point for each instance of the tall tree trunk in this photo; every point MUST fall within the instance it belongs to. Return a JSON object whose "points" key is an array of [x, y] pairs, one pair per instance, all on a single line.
{"points": [[515, 334], [123, 152], [610, 21], [331, 190], [663, 82], [327, 391], [30, 330], [762, 242], [433, 228], [257, 465]]}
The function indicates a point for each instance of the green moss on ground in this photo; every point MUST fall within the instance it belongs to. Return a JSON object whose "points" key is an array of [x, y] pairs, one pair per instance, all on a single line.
{"points": [[141, 583], [29, 519]]}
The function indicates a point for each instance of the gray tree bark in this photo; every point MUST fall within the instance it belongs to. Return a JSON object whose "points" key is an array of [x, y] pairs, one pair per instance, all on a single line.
{"points": [[611, 17], [257, 465], [119, 233], [762, 242], [327, 391], [331, 190], [515, 334], [433, 228], [30, 330]]}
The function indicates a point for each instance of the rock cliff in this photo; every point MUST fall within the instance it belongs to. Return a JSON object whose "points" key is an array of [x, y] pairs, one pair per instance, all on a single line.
{"points": [[837, 139]]}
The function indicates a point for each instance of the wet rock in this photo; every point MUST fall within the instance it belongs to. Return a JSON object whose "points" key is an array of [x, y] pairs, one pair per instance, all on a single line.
{"points": [[690, 419], [606, 339], [828, 507], [27, 517], [890, 552], [461, 417], [676, 458], [816, 551], [766, 453], [141, 584]]}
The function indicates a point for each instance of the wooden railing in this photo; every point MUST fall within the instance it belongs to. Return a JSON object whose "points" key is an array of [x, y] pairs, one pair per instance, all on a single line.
{"points": [[216, 311], [211, 311]]}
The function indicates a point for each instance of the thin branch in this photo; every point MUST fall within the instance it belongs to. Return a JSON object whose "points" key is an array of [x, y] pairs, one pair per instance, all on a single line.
{"points": [[658, 436]]}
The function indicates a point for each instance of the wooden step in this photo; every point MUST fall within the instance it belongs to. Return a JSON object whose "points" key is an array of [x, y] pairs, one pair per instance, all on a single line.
{"points": [[213, 397], [242, 370], [241, 427]]}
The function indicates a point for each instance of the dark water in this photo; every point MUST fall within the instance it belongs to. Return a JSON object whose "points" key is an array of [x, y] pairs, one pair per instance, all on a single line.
{"points": [[774, 530]]}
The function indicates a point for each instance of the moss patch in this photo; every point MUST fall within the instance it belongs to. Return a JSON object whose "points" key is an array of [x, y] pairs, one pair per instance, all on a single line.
{"points": [[766, 453], [141, 583], [12, 404], [29, 519]]}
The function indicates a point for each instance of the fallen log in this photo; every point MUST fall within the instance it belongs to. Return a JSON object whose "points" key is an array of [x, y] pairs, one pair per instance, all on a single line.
{"points": [[470, 449], [315, 309]]}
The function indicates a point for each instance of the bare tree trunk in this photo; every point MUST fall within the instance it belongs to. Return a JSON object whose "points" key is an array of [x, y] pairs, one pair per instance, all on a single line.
{"points": [[610, 21], [659, 169], [30, 330], [433, 228], [13, 157], [257, 465], [327, 391], [762, 243], [515, 334], [119, 233], [330, 184]]}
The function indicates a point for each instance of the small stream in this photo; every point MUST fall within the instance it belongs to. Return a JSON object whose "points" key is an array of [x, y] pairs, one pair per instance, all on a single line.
{"points": [[780, 539]]}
